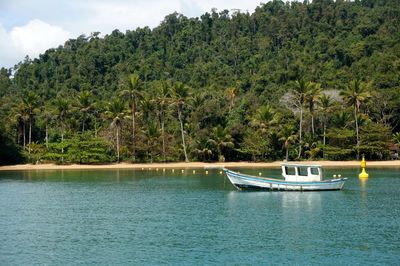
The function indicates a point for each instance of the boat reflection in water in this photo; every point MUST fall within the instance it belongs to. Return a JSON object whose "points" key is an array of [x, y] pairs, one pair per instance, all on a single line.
{"points": [[288, 202]]}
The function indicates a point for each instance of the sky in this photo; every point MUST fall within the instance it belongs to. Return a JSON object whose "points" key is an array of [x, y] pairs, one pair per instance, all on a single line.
{"points": [[30, 27]]}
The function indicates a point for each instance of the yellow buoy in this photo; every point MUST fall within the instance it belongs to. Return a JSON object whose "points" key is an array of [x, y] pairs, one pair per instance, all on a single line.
{"points": [[194, 171], [220, 172], [363, 174], [206, 172], [259, 173]]}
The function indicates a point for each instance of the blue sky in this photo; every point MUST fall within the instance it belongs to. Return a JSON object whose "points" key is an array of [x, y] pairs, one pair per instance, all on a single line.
{"points": [[29, 27]]}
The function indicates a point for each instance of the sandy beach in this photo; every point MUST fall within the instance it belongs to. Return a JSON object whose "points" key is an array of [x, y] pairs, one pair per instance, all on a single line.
{"points": [[193, 165]]}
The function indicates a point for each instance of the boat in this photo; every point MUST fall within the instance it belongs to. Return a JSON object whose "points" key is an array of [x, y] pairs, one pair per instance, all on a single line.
{"points": [[297, 177]]}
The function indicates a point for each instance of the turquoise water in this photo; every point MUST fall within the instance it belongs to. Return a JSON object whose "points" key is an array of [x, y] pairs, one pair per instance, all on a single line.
{"points": [[155, 218]]}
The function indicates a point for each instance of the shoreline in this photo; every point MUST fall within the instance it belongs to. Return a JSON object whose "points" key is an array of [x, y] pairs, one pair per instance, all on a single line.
{"points": [[193, 165]]}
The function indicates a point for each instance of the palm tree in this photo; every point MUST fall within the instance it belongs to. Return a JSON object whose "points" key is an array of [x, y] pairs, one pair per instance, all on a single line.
{"points": [[62, 112], [152, 136], [85, 105], [396, 138], [22, 117], [312, 96], [288, 136], [47, 115], [180, 94], [264, 118], [220, 138], [116, 112], [263, 123], [147, 105], [31, 101], [326, 104], [355, 94], [163, 94], [300, 91], [203, 149], [133, 92], [341, 119]]}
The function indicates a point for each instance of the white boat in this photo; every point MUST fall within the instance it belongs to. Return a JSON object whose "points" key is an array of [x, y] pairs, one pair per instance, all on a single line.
{"points": [[297, 177]]}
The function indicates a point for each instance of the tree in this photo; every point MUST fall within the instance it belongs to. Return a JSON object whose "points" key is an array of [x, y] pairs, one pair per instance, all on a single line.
{"points": [[326, 104], [46, 117], [21, 117], [133, 92], [31, 102], [355, 94], [162, 96], [220, 138], [312, 96], [287, 136], [396, 138], [62, 112], [264, 118], [85, 105], [116, 112], [180, 93], [152, 137], [300, 91]]}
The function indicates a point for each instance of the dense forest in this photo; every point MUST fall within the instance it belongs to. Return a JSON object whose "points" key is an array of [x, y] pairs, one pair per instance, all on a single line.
{"points": [[313, 80]]}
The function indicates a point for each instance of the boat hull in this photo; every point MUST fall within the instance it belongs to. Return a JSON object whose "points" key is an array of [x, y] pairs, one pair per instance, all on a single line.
{"points": [[242, 181]]}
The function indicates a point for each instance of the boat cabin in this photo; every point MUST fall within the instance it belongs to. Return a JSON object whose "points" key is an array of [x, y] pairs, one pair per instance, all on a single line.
{"points": [[301, 172]]}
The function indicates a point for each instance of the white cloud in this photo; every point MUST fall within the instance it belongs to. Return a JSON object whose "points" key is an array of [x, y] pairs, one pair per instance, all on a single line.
{"points": [[207, 5], [125, 15], [37, 36], [8, 54], [31, 39]]}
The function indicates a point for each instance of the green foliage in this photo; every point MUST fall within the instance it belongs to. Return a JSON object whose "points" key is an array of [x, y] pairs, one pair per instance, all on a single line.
{"points": [[341, 144], [256, 146], [226, 85], [84, 149], [375, 139], [80, 148]]}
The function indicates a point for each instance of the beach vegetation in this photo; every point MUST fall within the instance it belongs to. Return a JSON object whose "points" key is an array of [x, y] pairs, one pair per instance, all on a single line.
{"points": [[291, 80]]}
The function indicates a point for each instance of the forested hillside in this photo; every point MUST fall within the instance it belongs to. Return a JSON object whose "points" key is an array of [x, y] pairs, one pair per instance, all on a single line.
{"points": [[292, 80]]}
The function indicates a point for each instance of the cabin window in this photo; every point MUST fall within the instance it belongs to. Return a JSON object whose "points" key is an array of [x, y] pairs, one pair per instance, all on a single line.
{"points": [[290, 170], [314, 171], [302, 171]]}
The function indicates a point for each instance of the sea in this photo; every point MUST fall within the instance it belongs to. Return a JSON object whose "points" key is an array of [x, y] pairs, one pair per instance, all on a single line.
{"points": [[195, 217]]}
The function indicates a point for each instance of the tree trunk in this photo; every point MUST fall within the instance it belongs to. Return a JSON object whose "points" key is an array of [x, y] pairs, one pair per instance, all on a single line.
{"points": [[358, 141], [24, 137], [133, 127], [287, 150], [183, 135], [324, 141], [47, 136], [301, 125], [312, 124], [163, 138], [62, 146], [117, 144], [30, 134]]}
